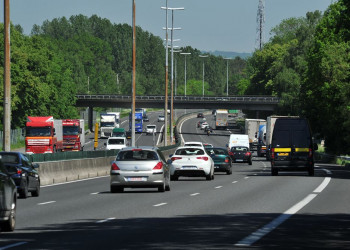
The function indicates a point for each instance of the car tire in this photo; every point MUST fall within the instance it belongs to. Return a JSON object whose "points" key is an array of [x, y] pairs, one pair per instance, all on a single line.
{"points": [[9, 225], [36, 192], [116, 189], [311, 171], [208, 177], [229, 172], [24, 191], [274, 171], [174, 178], [250, 162], [161, 188]]}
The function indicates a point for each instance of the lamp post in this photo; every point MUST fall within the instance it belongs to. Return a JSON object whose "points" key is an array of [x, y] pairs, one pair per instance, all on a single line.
{"points": [[203, 70], [227, 75], [185, 69], [133, 75]]}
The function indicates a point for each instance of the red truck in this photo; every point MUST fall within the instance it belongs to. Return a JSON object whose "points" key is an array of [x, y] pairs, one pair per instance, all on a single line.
{"points": [[43, 135], [73, 135]]}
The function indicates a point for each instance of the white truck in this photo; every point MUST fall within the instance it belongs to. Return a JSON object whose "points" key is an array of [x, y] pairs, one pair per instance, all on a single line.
{"points": [[270, 124], [107, 124], [221, 119], [117, 118], [252, 130]]}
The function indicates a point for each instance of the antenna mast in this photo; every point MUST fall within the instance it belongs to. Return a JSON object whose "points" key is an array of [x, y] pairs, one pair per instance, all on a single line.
{"points": [[260, 20]]}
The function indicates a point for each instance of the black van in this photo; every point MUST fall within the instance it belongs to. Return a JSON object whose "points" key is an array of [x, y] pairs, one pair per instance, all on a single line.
{"points": [[292, 147]]}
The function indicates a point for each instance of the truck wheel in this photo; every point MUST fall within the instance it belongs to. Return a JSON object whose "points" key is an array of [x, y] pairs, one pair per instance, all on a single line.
{"points": [[274, 171], [311, 171]]}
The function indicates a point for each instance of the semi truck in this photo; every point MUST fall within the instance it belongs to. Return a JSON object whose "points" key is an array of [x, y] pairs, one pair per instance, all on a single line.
{"points": [[107, 124], [117, 118], [138, 122], [252, 130], [221, 119], [261, 148], [73, 135], [43, 135]]}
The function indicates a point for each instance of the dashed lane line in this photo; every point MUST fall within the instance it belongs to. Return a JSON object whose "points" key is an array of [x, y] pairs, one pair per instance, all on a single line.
{"points": [[218, 187], [45, 203], [195, 194], [160, 204]]}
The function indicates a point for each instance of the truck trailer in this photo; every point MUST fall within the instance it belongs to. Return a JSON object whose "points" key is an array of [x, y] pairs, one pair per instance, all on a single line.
{"points": [[221, 119], [43, 135], [252, 130]]}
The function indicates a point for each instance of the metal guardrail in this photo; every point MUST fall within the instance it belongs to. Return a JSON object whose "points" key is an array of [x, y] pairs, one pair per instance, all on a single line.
{"points": [[265, 99]]}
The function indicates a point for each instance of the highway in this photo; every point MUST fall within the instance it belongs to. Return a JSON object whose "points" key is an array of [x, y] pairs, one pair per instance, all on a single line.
{"points": [[248, 209]]}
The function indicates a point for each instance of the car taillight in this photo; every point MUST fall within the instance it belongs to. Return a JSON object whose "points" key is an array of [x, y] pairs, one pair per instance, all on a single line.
{"points": [[272, 153], [248, 154], [203, 158], [230, 153], [158, 166], [19, 171], [175, 158], [136, 149], [227, 159], [115, 166]]}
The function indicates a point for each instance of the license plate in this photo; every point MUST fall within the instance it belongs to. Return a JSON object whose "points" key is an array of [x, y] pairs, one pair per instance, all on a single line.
{"points": [[216, 166], [189, 167], [137, 178], [240, 160], [282, 154]]}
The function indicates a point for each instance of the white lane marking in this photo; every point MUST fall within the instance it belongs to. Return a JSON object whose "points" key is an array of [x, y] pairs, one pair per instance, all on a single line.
{"points": [[327, 171], [159, 136], [106, 220], [180, 128], [95, 193], [194, 194], [44, 203], [218, 187], [160, 204], [13, 245], [68, 182], [323, 185], [257, 235], [246, 178], [234, 181]]}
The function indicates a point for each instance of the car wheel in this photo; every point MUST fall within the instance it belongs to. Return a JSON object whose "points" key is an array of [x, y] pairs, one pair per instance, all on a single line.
{"points": [[116, 189], [161, 188], [24, 191], [229, 172], [274, 171], [174, 178], [250, 162], [9, 225], [36, 192], [208, 177], [311, 171]]}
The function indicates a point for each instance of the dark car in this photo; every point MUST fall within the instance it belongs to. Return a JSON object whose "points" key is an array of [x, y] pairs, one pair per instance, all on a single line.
{"points": [[221, 158], [8, 200], [208, 129], [292, 146], [200, 115], [241, 154], [25, 173], [145, 118]]}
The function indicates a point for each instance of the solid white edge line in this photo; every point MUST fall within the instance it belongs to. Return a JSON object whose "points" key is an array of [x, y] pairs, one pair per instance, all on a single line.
{"points": [[160, 204], [69, 182], [323, 185], [48, 202], [257, 235], [13, 245]]}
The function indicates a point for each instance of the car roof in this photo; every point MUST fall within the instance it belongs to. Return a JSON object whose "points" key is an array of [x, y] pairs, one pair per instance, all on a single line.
{"points": [[119, 137], [194, 142], [140, 147]]}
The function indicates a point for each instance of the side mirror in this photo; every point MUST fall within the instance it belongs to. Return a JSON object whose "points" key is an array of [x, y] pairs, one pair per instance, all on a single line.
{"points": [[35, 165], [11, 170]]}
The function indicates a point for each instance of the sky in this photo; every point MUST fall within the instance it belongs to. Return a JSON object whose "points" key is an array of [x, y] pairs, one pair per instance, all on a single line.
{"points": [[207, 25]]}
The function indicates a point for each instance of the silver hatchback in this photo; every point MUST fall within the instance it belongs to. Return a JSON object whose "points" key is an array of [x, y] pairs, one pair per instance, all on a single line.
{"points": [[140, 167]]}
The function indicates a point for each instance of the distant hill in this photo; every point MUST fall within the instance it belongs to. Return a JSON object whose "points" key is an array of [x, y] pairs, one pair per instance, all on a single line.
{"points": [[228, 54]]}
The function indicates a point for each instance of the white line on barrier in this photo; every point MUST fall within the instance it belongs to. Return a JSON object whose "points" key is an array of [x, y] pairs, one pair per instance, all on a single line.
{"points": [[13, 245], [106, 220]]}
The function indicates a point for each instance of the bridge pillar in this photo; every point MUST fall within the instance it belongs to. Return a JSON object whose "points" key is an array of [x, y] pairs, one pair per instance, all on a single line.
{"points": [[91, 118]]}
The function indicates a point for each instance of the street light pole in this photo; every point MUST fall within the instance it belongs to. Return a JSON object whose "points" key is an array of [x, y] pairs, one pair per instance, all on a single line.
{"points": [[166, 77], [227, 75], [185, 70], [133, 75], [203, 71]]}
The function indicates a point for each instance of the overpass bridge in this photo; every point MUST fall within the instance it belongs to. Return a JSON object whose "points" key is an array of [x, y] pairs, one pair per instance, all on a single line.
{"points": [[257, 103]]}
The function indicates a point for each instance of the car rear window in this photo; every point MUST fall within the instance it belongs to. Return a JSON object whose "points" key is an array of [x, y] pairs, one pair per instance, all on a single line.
{"points": [[116, 141], [281, 139], [9, 158], [139, 155], [190, 151], [241, 149], [151, 126]]}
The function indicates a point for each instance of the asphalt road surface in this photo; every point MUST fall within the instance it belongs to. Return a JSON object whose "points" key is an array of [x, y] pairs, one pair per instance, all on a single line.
{"points": [[248, 209]]}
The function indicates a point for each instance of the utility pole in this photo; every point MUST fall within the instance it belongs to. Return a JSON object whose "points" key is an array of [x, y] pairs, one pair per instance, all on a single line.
{"points": [[7, 79], [133, 74]]}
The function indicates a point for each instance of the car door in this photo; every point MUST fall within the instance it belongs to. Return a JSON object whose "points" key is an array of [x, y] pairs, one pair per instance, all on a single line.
{"points": [[30, 171]]}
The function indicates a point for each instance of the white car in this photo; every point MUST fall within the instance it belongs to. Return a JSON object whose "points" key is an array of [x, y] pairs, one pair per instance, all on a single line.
{"points": [[191, 162], [150, 129], [194, 144], [161, 118], [116, 143], [204, 124]]}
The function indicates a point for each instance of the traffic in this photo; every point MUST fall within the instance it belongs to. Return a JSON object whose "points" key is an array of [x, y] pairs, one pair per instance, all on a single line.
{"points": [[219, 181]]}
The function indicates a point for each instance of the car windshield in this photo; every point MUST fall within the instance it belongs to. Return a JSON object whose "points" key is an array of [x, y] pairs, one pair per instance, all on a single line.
{"points": [[239, 149], [190, 151], [70, 130], [193, 145], [217, 151], [38, 131], [116, 141], [107, 124], [151, 126], [137, 155], [9, 158]]}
